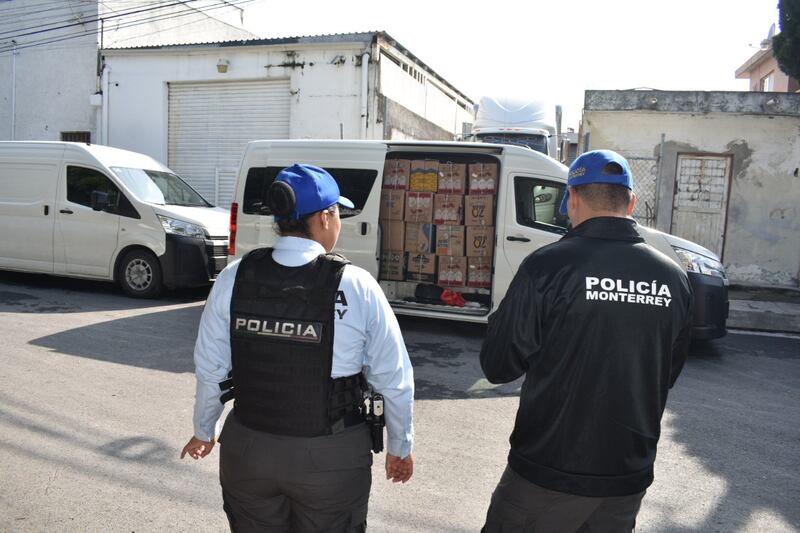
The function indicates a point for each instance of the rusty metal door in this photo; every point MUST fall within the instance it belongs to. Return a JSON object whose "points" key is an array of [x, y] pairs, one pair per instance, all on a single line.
{"points": [[701, 199]]}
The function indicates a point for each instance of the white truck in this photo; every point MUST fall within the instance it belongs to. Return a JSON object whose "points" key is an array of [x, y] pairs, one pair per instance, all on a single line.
{"points": [[526, 195], [95, 212], [534, 124]]}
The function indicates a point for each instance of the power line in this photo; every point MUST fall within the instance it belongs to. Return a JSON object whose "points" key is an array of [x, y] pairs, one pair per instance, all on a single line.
{"points": [[58, 15], [125, 25], [88, 21]]}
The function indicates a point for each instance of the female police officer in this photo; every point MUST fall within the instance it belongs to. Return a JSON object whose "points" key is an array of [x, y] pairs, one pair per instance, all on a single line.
{"points": [[300, 330]]}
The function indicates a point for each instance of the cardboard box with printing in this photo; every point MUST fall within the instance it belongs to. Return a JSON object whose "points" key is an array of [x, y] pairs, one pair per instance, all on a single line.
{"points": [[396, 173], [393, 204], [448, 208], [393, 234], [452, 178], [479, 210], [424, 175], [480, 241], [479, 272], [419, 207], [450, 240], [452, 271], [421, 267], [420, 237], [482, 178], [393, 265]]}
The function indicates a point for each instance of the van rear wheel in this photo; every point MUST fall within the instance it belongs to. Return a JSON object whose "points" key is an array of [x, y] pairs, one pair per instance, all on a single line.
{"points": [[140, 274]]}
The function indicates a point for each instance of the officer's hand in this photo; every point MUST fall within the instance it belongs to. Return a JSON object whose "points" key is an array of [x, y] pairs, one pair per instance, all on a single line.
{"points": [[197, 448], [399, 470]]}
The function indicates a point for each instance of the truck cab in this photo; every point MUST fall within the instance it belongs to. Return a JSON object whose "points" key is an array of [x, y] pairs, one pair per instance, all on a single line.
{"points": [[528, 123]]}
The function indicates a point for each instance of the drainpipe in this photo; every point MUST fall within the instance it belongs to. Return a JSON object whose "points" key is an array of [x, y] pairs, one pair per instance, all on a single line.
{"points": [[13, 88], [104, 113], [364, 89]]}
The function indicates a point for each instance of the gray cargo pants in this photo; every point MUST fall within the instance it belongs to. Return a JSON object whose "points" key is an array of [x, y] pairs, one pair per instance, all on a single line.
{"points": [[274, 483], [520, 506]]}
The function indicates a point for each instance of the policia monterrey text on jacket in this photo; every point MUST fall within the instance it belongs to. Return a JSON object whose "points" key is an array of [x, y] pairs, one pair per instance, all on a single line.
{"points": [[599, 324], [302, 334]]}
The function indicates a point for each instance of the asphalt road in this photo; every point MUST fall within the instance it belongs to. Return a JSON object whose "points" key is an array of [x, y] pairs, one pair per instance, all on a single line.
{"points": [[96, 394]]}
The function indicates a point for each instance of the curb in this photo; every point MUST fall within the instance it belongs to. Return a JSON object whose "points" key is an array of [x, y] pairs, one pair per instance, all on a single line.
{"points": [[765, 316]]}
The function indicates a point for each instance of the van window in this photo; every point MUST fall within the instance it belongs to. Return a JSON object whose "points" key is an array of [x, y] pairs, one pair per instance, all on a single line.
{"points": [[354, 184], [82, 181], [157, 187], [537, 202]]}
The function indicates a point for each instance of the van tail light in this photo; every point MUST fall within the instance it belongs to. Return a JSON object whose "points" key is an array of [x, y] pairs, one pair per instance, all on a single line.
{"points": [[232, 229]]}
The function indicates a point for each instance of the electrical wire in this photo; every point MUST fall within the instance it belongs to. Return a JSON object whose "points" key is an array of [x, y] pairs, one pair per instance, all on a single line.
{"points": [[90, 20], [127, 24]]}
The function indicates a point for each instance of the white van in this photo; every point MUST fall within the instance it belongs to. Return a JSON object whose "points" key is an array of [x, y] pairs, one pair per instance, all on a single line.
{"points": [[528, 190], [96, 212]]}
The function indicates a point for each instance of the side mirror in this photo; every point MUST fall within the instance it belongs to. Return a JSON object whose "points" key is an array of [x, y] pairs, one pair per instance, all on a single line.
{"points": [[98, 200]]}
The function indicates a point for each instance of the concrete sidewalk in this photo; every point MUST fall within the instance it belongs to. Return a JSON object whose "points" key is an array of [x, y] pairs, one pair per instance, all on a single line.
{"points": [[764, 309]]}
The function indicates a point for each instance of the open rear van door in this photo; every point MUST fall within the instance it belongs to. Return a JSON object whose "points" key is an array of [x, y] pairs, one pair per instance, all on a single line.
{"points": [[357, 168]]}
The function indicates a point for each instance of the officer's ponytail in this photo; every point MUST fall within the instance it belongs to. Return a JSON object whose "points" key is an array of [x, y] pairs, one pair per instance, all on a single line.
{"points": [[281, 201]]}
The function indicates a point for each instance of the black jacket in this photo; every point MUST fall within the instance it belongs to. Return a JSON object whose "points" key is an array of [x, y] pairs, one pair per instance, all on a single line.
{"points": [[599, 324]]}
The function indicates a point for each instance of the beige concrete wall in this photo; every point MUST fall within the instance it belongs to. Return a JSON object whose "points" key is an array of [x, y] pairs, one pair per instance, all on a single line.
{"points": [[762, 241]]}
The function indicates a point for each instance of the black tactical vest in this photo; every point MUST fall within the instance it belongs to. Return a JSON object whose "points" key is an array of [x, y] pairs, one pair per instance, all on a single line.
{"points": [[282, 321]]}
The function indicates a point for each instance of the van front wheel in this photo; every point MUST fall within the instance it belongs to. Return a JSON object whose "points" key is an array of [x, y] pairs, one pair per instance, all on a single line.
{"points": [[140, 274]]}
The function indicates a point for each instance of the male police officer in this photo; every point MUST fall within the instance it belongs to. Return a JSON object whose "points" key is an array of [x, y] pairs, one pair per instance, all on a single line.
{"points": [[598, 323], [301, 330]]}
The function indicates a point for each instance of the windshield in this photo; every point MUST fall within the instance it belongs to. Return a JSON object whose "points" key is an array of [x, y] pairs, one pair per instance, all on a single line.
{"points": [[158, 187], [528, 140]]}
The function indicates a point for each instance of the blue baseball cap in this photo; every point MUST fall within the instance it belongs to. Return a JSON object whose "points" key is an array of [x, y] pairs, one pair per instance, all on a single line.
{"points": [[314, 189], [590, 167]]}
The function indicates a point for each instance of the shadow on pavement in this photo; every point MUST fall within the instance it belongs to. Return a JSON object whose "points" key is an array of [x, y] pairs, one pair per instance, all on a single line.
{"points": [[737, 411], [41, 293], [445, 359], [162, 340], [97, 453]]}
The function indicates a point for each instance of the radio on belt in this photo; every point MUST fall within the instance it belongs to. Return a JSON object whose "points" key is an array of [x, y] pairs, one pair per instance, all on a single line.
{"points": [[373, 416]]}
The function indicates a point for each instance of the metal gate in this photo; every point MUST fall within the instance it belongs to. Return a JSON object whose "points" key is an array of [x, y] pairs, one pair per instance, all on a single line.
{"points": [[701, 199], [645, 186]]}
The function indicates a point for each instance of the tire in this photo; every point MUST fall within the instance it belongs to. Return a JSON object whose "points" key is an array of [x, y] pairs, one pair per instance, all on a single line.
{"points": [[140, 275]]}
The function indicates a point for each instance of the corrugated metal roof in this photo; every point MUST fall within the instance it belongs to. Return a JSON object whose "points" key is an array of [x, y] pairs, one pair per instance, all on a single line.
{"points": [[300, 39], [356, 37]]}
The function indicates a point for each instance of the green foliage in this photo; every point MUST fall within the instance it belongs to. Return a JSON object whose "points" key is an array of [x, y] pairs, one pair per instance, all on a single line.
{"points": [[786, 45]]}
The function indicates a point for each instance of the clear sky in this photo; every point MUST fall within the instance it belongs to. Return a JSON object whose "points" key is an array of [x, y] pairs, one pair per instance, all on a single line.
{"points": [[548, 50]]}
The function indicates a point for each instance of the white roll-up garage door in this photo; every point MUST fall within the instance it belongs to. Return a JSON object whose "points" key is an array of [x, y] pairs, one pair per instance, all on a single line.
{"points": [[210, 124]]}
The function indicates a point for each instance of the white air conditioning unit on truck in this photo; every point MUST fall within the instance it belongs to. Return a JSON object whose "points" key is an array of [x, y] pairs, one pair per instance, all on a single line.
{"points": [[445, 215]]}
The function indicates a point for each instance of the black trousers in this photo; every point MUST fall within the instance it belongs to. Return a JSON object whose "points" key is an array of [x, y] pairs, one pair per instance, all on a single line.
{"points": [[520, 506], [274, 483]]}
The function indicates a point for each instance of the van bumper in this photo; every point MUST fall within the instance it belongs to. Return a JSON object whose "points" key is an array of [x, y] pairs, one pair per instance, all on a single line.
{"points": [[710, 306], [192, 261]]}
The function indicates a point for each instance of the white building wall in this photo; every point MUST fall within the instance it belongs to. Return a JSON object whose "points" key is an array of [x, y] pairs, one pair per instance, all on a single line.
{"points": [[51, 85], [47, 86], [324, 95], [427, 98]]}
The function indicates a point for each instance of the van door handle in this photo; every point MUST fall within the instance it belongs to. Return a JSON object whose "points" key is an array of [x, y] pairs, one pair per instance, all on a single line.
{"points": [[66, 211], [518, 239], [364, 228], [46, 210]]}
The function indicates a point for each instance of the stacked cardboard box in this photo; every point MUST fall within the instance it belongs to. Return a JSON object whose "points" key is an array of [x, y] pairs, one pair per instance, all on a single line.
{"points": [[396, 173], [437, 223], [479, 220]]}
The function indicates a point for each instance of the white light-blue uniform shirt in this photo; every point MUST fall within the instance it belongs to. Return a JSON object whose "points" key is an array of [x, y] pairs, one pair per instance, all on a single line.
{"points": [[366, 339]]}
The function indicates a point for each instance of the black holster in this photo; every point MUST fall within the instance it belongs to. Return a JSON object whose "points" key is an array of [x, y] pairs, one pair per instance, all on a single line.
{"points": [[373, 416]]}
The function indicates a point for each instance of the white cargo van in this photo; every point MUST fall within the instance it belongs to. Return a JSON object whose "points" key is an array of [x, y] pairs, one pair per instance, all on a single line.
{"points": [[96, 212], [526, 195]]}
